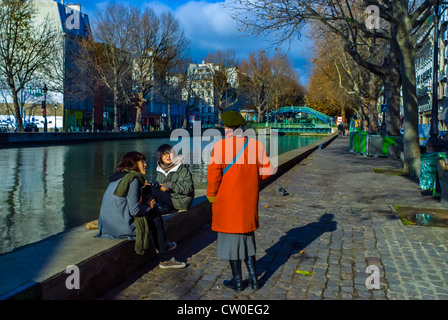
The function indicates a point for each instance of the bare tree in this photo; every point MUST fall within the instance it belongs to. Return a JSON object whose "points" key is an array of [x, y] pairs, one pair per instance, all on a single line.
{"points": [[285, 82], [191, 83], [353, 79], [145, 49], [160, 49], [257, 81], [267, 81], [54, 70], [109, 51], [401, 18], [170, 91], [224, 65], [25, 47]]}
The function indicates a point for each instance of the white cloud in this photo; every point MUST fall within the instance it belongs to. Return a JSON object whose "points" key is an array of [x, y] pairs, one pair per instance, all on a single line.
{"points": [[157, 6], [209, 28], [207, 24]]}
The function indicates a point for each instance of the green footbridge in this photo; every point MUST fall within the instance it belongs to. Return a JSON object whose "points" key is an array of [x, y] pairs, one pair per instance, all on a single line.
{"points": [[317, 123]]}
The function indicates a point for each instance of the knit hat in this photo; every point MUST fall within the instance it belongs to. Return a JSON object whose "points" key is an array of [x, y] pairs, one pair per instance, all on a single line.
{"points": [[233, 119]]}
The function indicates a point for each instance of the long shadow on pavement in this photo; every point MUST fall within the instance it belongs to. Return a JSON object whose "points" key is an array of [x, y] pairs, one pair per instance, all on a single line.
{"points": [[186, 248], [292, 243]]}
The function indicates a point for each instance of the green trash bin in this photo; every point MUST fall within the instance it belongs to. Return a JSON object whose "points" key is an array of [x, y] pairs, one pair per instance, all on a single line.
{"points": [[428, 169]]}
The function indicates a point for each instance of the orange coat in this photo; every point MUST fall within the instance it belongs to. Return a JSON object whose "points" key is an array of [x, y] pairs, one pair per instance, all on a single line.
{"points": [[235, 209]]}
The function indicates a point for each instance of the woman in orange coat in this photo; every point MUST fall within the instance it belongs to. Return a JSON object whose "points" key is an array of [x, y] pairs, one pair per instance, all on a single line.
{"points": [[234, 191]]}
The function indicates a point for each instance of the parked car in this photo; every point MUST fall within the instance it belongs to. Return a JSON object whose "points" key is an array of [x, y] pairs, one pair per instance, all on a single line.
{"points": [[127, 127], [30, 127]]}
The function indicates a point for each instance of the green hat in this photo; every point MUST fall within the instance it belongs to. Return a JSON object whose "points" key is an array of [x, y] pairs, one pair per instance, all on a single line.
{"points": [[233, 119]]}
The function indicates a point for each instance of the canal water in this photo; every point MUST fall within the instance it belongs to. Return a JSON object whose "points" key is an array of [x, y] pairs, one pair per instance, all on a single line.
{"points": [[46, 190]]}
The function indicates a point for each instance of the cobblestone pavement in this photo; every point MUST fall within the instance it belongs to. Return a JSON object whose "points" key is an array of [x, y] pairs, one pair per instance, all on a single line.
{"points": [[337, 219]]}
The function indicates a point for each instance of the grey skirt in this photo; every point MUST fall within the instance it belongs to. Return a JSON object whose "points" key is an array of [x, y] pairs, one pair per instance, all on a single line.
{"points": [[231, 246]]}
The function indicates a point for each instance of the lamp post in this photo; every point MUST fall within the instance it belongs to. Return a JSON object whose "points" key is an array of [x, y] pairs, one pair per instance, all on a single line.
{"points": [[55, 107], [44, 107]]}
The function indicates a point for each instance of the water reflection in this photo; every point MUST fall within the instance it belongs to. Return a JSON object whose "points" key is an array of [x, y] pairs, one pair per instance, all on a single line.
{"points": [[46, 190], [31, 195]]}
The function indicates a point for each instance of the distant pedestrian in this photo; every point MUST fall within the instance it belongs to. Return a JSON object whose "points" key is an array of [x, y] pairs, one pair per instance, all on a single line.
{"points": [[176, 189], [124, 214], [340, 130], [237, 167]]}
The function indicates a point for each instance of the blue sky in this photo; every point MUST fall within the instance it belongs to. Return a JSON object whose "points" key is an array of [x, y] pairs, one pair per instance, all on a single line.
{"points": [[209, 28]]}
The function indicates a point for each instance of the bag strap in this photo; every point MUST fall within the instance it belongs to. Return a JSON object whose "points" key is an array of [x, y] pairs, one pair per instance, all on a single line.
{"points": [[237, 156]]}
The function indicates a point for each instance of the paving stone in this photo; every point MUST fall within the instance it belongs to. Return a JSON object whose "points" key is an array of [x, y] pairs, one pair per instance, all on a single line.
{"points": [[340, 214]]}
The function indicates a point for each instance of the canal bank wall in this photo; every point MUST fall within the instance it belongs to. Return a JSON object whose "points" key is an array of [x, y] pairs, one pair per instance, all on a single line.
{"points": [[38, 139], [76, 265], [32, 139]]}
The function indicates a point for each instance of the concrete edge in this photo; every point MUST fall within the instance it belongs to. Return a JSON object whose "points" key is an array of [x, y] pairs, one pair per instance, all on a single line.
{"points": [[28, 139], [96, 272], [289, 159]]}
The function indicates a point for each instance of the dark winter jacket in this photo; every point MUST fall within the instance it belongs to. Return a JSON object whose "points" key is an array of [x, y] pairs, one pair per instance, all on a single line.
{"points": [[179, 184]]}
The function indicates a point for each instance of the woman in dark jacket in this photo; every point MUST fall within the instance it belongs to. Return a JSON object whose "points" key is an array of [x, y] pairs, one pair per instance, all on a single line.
{"points": [[123, 212], [176, 189]]}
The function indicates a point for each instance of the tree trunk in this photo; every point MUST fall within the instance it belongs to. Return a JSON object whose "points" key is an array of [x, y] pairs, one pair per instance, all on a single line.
{"points": [[344, 116], [219, 115], [116, 129], [19, 120], [187, 114], [393, 92], [169, 114], [115, 93], [372, 106], [138, 112], [364, 111], [372, 116], [138, 119], [392, 83], [407, 57]]}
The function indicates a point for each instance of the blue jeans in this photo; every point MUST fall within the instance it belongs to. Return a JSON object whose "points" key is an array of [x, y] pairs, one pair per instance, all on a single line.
{"points": [[155, 224]]}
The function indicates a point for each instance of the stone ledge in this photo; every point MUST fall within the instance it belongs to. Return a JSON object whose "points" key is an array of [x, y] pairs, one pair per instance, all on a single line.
{"points": [[94, 257], [8, 140], [37, 271]]}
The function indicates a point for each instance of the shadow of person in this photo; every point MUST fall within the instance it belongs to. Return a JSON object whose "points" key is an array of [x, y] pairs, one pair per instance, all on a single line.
{"points": [[292, 243]]}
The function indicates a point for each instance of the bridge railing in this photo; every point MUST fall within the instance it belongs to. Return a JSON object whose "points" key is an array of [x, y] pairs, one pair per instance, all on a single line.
{"points": [[281, 125]]}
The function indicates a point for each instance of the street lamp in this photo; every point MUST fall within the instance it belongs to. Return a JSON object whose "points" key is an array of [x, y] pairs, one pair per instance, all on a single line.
{"points": [[55, 107], [44, 107]]}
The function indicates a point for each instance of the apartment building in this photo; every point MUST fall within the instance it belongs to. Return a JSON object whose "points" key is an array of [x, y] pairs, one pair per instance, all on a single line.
{"points": [[62, 77], [203, 95], [200, 94], [424, 72], [74, 82]]}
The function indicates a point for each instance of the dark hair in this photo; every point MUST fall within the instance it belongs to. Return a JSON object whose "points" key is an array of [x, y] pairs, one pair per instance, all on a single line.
{"points": [[164, 148], [129, 161]]}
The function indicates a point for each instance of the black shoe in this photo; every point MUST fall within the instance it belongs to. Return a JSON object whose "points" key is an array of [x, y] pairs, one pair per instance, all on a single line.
{"points": [[237, 281], [235, 284], [252, 270]]}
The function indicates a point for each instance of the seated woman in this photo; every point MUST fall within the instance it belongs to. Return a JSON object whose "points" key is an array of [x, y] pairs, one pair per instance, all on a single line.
{"points": [[122, 210], [176, 190]]}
